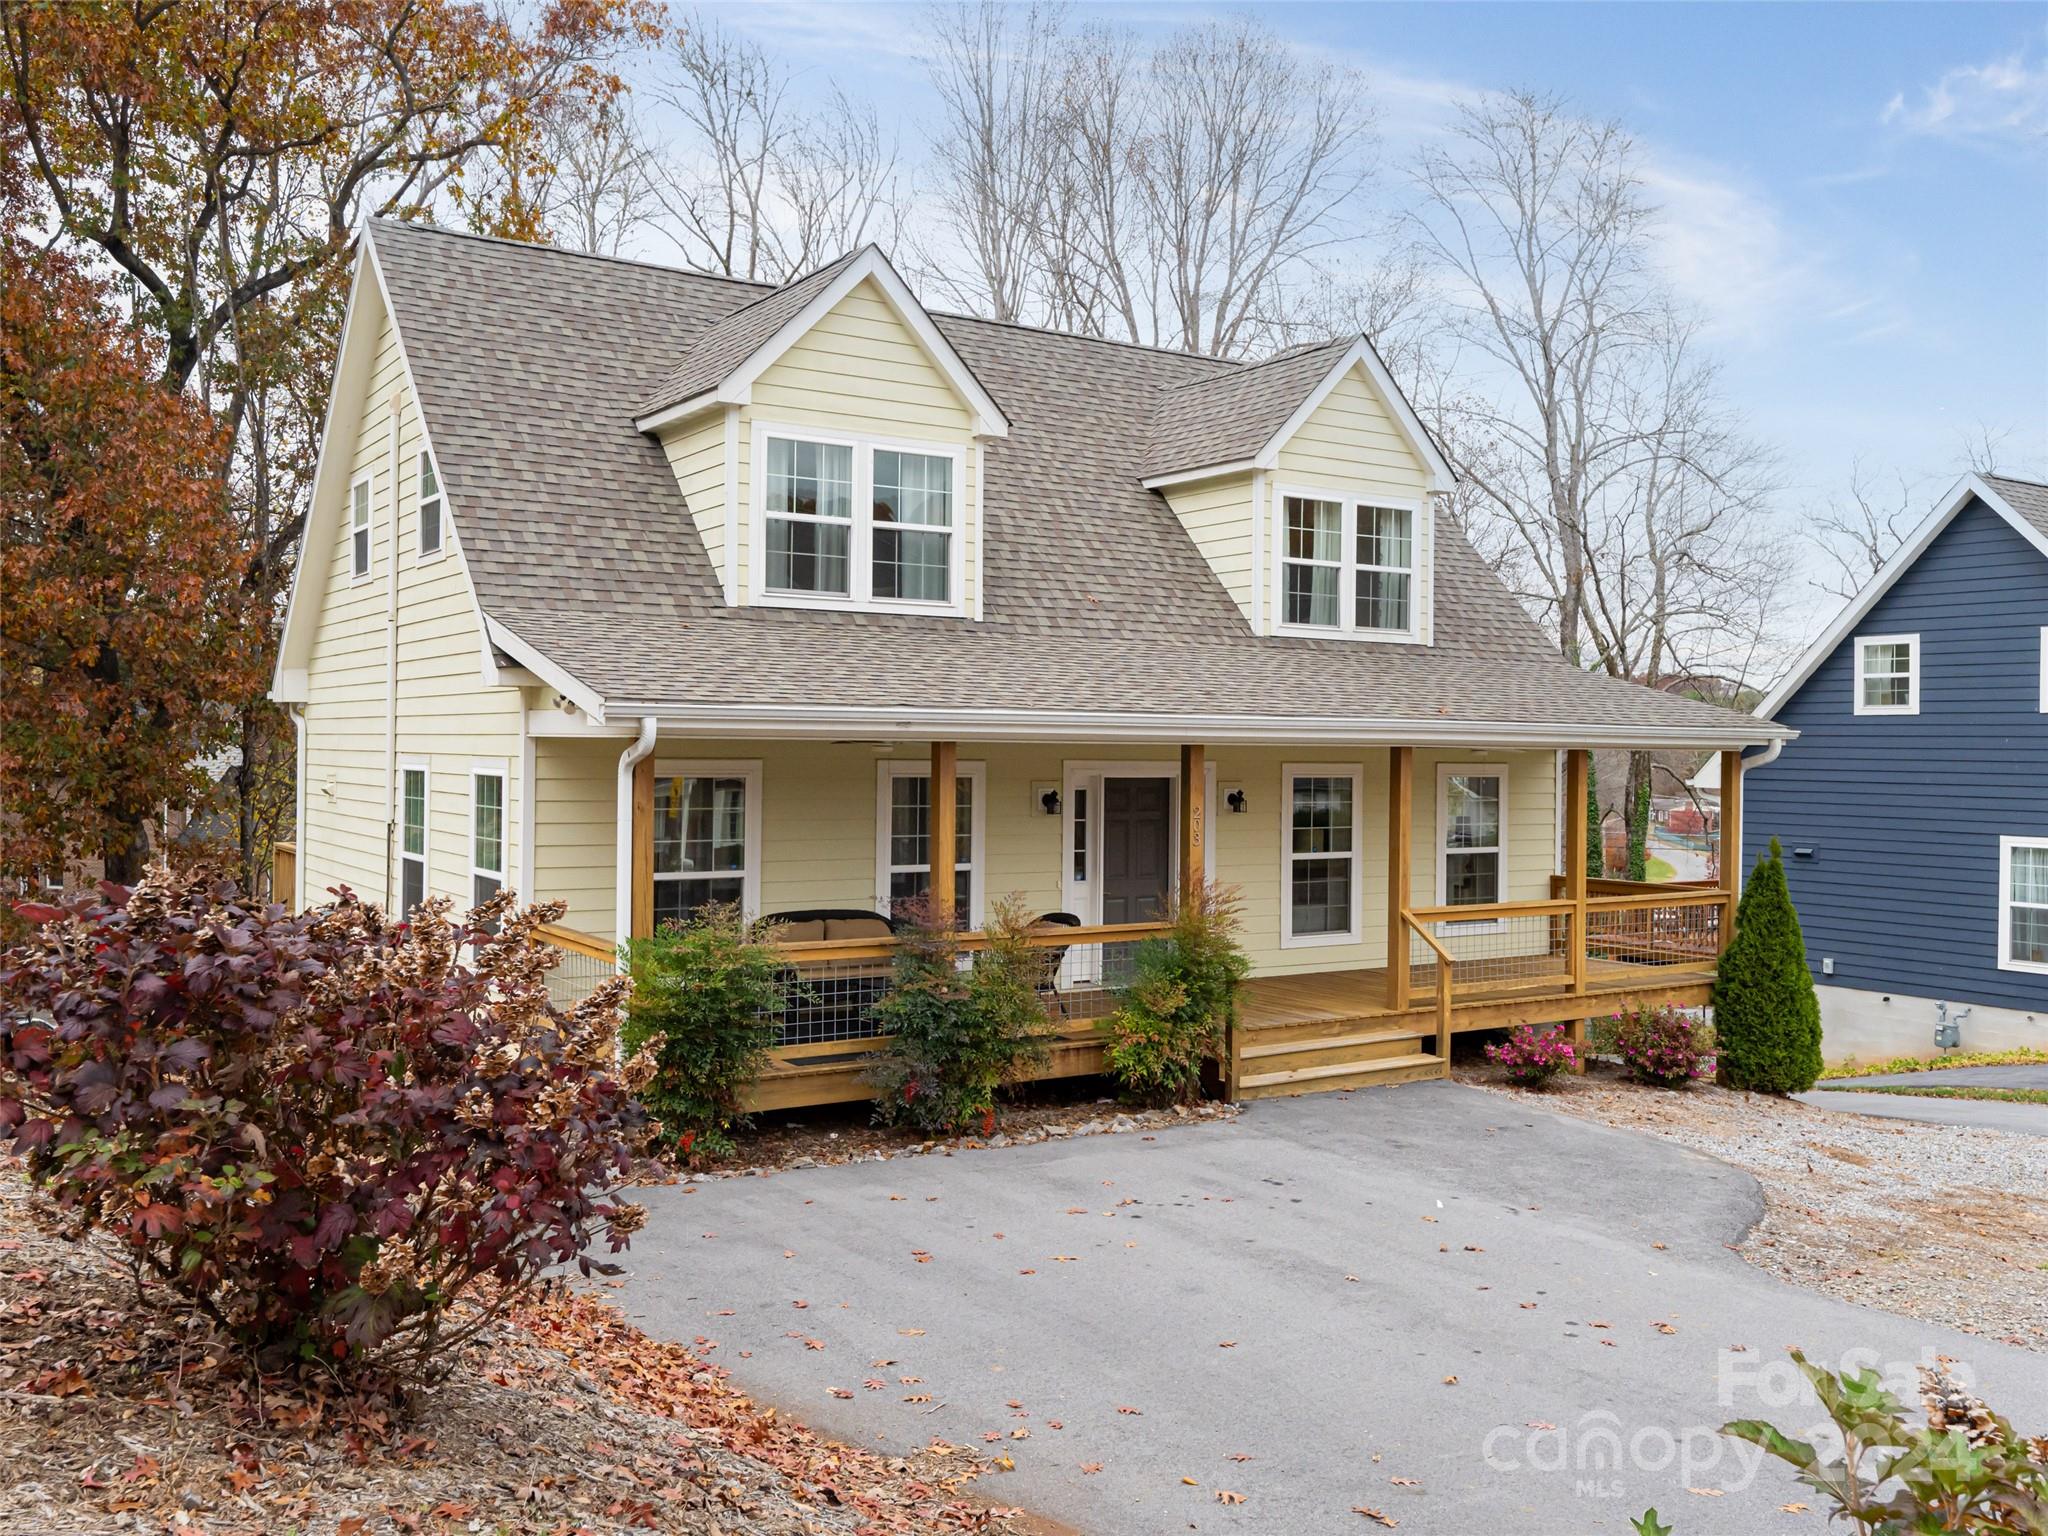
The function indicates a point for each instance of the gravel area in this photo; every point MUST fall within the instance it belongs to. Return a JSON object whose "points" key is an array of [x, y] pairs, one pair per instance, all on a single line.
{"points": [[1935, 1222]]}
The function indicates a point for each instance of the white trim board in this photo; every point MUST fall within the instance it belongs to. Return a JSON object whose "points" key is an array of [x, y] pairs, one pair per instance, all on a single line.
{"points": [[1916, 544]]}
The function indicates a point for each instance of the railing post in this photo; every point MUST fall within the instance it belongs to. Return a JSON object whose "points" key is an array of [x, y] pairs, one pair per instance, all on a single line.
{"points": [[1731, 842], [641, 918], [1400, 827], [944, 828], [1578, 773]]}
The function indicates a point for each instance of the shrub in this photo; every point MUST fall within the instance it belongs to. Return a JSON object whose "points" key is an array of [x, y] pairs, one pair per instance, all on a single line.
{"points": [[324, 1130], [1967, 1470], [1766, 1014], [1532, 1060], [959, 1033], [1662, 1045], [704, 1003], [1179, 1008]]}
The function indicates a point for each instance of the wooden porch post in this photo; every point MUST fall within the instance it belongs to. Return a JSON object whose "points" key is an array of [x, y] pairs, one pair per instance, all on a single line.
{"points": [[1578, 773], [641, 923], [1194, 816], [1400, 827], [945, 818], [1731, 841]]}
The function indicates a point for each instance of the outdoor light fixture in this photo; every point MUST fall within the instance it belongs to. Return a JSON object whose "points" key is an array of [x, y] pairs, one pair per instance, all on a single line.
{"points": [[1049, 801], [1237, 802]]}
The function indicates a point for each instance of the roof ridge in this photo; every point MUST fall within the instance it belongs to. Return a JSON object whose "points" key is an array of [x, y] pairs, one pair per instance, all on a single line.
{"points": [[1992, 474], [774, 290], [420, 226], [1286, 355]]}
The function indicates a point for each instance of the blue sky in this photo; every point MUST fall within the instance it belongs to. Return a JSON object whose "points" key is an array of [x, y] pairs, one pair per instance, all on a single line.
{"points": [[1856, 195]]}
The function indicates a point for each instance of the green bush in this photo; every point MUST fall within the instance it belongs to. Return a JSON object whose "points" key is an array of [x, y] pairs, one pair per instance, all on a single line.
{"points": [[1766, 1016], [1967, 1470], [957, 1033], [706, 994], [1178, 1011]]}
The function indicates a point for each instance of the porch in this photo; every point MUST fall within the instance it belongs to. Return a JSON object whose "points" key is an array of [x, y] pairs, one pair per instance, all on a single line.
{"points": [[1382, 1005]]}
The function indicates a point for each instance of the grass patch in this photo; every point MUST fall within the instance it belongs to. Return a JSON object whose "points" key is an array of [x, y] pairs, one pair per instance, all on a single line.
{"points": [[1954, 1091], [2020, 1056], [1659, 869]]}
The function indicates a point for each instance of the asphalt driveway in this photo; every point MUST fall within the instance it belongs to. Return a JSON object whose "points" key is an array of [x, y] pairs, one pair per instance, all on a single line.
{"points": [[1276, 1307]]}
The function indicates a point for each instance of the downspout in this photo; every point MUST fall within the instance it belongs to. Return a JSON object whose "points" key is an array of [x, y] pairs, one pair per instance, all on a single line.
{"points": [[292, 900], [622, 890], [391, 672], [1770, 756]]}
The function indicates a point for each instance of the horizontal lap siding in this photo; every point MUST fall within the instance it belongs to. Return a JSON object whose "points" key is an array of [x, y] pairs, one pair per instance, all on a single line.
{"points": [[1218, 517], [697, 455], [575, 829], [1905, 812]]}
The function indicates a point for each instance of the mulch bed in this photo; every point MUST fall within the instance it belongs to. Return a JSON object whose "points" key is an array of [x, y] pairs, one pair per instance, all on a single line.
{"points": [[123, 1412]]}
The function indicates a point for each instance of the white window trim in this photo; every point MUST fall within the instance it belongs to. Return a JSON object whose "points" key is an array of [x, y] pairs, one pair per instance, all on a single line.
{"points": [[861, 541], [1422, 536], [887, 771], [2006, 845], [421, 554], [369, 526], [1083, 897], [1289, 772], [490, 768], [1445, 772], [749, 770], [424, 769], [1912, 704]]}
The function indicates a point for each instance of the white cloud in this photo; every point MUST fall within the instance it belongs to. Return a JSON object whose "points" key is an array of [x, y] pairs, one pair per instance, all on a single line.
{"points": [[2003, 101]]}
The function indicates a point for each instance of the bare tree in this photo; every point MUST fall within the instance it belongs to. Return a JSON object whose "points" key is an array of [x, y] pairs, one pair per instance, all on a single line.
{"points": [[591, 177], [1538, 216], [1860, 528], [763, 186]]}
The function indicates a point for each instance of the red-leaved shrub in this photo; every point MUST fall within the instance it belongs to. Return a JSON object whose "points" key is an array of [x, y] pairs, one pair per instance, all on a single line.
{"points": [[1531, 1059], [326, 1130], [1663, 1045]]}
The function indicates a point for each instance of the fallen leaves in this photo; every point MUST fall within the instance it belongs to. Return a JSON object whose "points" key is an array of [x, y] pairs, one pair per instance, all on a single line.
{"points": [[1373, 1514], [1225, 1496]]}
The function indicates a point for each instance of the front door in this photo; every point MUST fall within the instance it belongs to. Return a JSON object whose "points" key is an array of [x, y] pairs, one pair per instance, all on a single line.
{"points": [[1137, 848]]}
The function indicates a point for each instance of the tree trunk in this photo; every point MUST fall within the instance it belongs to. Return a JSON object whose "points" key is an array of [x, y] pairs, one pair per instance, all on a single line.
{"points": [[1596, 845], [1638, 804]]}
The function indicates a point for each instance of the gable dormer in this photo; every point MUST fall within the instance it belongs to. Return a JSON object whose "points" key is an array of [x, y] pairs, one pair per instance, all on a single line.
{"points": [[1306, 481], [826, 438]]}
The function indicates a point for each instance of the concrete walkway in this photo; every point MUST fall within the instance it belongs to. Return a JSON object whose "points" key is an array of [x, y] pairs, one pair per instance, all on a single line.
{"points": [[1977, 1114], [2022, 1075], [1533, 1318]]}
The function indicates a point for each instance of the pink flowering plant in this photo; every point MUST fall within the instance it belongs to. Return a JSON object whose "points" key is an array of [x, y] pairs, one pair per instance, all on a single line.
{"points": [[1664, 1046], [1530, 1059]]}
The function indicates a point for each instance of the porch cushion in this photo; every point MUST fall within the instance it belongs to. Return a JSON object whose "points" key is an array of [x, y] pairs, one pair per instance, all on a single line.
{"points": [[797, 933], [857, 928]]}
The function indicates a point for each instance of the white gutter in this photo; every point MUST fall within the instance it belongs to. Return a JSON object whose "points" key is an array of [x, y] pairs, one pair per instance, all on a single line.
{"points": [[294, 899], [1770, 756], [622, 888]]}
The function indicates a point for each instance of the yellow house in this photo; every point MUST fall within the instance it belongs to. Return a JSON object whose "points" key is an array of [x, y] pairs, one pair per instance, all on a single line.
{"points": [[644, 589]]}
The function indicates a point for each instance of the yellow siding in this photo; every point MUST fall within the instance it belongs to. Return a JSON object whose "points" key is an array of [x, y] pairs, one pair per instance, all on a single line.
{"points": [[445, 716], [696, 452], [1218, 517], [821, 803]]}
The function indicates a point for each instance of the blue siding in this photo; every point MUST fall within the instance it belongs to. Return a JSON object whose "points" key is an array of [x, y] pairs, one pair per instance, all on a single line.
{"points": [[1906, 810]]}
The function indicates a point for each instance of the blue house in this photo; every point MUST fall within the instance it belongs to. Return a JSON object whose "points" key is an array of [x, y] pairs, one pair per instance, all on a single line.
{"points": [[1913, 806]]}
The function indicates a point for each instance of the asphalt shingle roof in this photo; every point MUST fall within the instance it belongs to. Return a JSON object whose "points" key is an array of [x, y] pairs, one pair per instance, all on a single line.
{"points": [[531, 364], [2029, 498], [1229, 414]]}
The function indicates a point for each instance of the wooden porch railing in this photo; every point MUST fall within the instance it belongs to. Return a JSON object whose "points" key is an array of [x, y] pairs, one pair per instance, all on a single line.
{"points": [[587, 961], [1417, 924], [284, 874]]}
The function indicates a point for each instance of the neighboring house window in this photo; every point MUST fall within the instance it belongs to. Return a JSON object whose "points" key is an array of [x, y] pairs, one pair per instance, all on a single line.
{"points": [[1320, 867], [1887, 674], [359, 529], [487, 834], [1347, 567], [706, 838], [412, 844], [430, 507], [1471, 819], [903, 856], [858, 523], [2023, 904]]}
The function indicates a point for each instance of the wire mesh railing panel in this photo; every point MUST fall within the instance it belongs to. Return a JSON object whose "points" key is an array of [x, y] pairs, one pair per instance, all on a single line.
{"points": [[1087, 981], [828, 1000], [581, 971], [1686, 934], [1489, 952]]}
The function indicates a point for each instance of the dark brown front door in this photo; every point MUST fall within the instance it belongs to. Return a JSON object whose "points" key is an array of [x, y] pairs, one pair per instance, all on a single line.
{"points": [[1137, 848]]}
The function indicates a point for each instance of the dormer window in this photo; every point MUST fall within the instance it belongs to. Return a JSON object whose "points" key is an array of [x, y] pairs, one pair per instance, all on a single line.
{"points": [[857, 522], [1347, 567]]}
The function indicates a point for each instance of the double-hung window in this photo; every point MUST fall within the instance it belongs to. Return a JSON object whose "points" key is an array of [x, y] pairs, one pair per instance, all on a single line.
{"points": [[2023, 904], [903, 853], [1319, 864], [1471, 819], [359, 529], [1348, 567], [1887, 674], [707, 827], [858, 523], [486, 833], [412, 837], [430, 507]]}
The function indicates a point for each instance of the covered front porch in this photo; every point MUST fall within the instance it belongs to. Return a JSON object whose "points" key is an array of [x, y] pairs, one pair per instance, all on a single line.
{"points": [[1363, 971]]}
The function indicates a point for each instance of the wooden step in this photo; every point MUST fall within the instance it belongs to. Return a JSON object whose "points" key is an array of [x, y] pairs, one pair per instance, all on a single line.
{"points": [[1315, 1051], [1379, 1072]]}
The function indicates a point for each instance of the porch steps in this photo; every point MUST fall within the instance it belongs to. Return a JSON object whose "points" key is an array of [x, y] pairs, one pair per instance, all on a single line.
{"points": [[1353, 1045], [1370, 1072]]}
